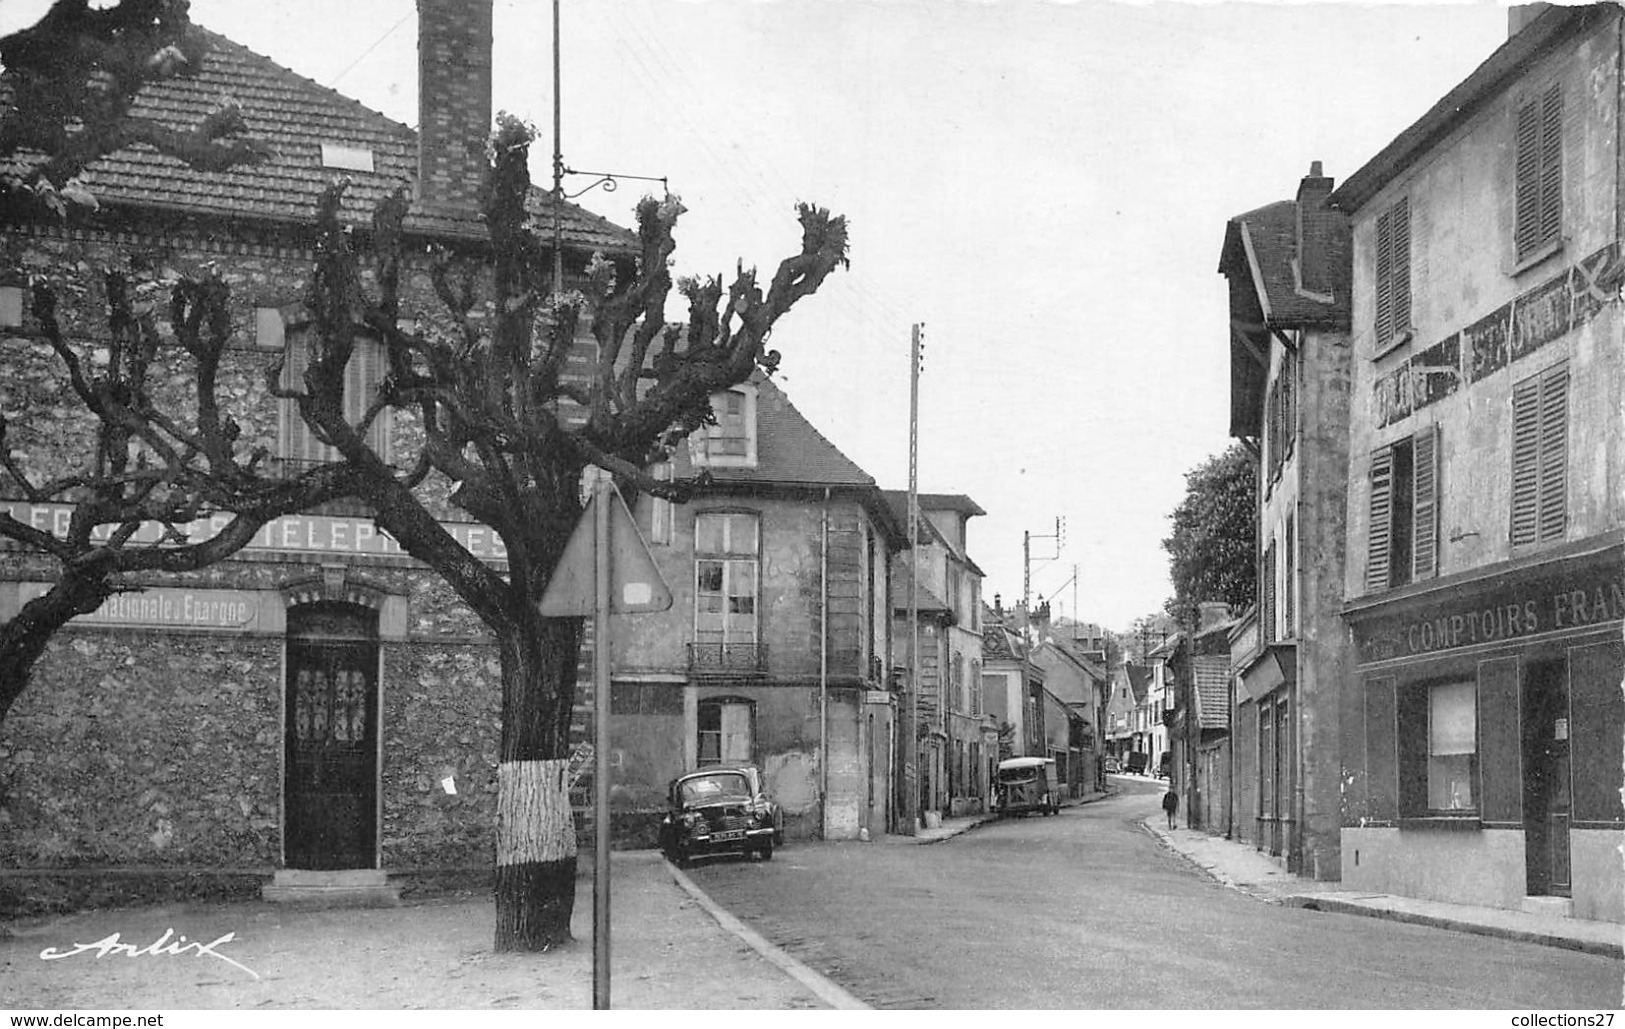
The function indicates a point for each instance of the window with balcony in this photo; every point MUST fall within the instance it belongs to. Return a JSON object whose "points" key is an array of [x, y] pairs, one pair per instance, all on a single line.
{"points": [[726, 561]]}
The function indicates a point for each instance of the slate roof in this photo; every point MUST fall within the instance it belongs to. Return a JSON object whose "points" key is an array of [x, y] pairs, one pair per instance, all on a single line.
{"points": [[1213, 691], [998, 643], [929, 602], [789, 450], [1139, 681], [294, 116]]}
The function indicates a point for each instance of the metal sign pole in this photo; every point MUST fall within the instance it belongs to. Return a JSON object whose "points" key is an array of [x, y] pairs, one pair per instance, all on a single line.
{"points": [[600, 719]]}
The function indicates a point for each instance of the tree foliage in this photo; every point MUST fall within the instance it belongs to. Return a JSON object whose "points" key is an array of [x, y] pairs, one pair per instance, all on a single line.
{"points": [[1213, 548]]}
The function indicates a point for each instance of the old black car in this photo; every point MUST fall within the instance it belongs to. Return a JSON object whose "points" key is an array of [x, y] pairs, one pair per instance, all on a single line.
{"points": [[719, 811]]}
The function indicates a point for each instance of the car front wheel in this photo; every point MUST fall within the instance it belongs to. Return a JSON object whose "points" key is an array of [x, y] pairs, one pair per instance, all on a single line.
{"points": [[766, 850]]}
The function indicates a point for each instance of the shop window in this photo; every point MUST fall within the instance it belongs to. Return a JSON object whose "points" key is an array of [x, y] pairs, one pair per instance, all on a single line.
{"points": [[1438, 749], [732, 440], [1393, 276], [1538, 174], [725, 578], [727, 727], [1540, 438], [1403, 538]]}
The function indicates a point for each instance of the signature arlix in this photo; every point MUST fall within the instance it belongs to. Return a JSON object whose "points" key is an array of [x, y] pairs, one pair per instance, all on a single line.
{"points": [[163, 946]]}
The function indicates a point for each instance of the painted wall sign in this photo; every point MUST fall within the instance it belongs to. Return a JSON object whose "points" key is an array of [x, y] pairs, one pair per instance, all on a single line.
{"points": [[1552, 599], [295, 533], [1511, 332], [167, 607]]}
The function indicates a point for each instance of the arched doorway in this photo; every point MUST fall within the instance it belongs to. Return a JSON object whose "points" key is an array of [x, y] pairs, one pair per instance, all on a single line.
{"points": [[330, 784]]}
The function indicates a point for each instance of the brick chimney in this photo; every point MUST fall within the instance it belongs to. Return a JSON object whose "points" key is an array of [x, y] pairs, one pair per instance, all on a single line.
{"points": [[1211, 613], [1520, 15], [1319, 231], [454, 101]]}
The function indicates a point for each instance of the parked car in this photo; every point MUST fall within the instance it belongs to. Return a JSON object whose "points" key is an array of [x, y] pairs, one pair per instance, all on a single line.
{"points": [[720, 811], [1027, 784], [1113, 766]]}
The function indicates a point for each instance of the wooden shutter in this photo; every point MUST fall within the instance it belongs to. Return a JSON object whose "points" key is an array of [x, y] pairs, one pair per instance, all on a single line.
{"points": [[1268, 583], [1380, 532], [1385, 277], [1526, 231], [1525, 461], [1597, 728], [1400, 271], [361, 377], [1551, 165], [1500, 744], [1425, 504], [1381, 770], [1554, 451], [1539, 172]]}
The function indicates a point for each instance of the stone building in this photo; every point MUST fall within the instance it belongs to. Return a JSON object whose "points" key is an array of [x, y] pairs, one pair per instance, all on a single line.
{"points": [[1482, 738], [1288, 269], [774, 650], [320, 711]]}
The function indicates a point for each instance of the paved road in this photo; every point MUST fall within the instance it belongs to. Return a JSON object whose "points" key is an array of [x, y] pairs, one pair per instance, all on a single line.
{"points": [[1086, 910]]}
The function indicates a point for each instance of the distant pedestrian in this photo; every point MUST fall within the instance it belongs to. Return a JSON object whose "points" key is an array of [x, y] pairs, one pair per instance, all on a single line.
{"points": [[1170, 804]]}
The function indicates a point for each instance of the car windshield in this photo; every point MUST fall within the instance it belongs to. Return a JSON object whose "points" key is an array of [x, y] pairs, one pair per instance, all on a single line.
{"points": [[722, 787], [1018, 775]]}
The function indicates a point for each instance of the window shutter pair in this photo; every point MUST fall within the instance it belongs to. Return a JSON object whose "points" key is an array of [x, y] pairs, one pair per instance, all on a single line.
{"points": [[1422, 515], [1393, 271], [361, 378], [1540, 456], [1539, 173], [1268, 576]]}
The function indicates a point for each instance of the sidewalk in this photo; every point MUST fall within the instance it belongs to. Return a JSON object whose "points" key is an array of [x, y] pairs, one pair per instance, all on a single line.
{"points": [[1239, 866], [952, 827], [669, 950]]}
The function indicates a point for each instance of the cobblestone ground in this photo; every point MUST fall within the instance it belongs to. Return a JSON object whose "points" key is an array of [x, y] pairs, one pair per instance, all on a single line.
{"points": [[1086, 910]]}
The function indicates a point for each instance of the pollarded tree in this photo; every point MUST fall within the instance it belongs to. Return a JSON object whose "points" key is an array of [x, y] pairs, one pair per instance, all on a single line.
{"points": [[502, 420], [1214, 546]]}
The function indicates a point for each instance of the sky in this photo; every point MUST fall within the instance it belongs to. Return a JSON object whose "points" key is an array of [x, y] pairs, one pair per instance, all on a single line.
{"points": [[1043, 185]]}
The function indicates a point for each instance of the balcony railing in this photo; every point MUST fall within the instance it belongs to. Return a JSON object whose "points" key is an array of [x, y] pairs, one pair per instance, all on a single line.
{"points": [[727, 658]]}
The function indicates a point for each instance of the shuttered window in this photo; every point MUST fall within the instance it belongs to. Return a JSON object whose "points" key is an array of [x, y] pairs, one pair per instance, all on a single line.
{"points": [[1403, 540], [1539, 171], [1540, 441], [1289, 606], [300, 447], [1393, 279]]}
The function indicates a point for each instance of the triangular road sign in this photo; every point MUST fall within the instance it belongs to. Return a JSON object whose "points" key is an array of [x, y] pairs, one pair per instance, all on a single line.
{"points": [[635, 584]]}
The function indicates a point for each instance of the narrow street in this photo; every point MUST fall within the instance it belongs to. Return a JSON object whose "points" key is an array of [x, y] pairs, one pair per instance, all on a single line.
{"points": [[1086, 910]]}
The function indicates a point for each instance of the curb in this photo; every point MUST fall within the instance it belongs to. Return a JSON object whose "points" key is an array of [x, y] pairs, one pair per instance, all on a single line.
{"points": [[1337, 905], [820, 986]]}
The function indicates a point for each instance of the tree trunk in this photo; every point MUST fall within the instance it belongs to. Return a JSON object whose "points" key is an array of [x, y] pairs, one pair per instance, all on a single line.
{"points": [[536, 843], [24, 637]]}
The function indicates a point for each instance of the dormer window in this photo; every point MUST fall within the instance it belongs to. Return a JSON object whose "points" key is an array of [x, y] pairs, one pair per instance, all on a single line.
{"points": [[731, 442]]}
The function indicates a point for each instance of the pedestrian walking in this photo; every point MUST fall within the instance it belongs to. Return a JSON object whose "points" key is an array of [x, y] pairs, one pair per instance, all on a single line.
{"points": [[1170, 804]]}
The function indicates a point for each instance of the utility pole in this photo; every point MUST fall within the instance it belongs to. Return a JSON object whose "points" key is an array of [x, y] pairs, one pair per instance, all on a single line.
{"points": [[558, 165], [1026, 602], [911, 741]]}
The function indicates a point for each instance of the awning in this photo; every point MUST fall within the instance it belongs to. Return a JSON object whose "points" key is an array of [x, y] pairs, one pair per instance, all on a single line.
{"points": [[1275, 666]]}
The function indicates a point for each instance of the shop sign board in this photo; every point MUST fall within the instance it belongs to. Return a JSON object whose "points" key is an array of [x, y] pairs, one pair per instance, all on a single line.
{"points": [[166, 607], [1555, 599]]}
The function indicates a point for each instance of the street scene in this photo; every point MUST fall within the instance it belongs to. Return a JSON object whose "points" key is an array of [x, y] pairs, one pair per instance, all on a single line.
{"points": [[664, 505]]}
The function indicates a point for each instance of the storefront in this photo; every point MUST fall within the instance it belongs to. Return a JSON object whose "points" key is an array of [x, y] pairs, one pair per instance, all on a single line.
{"points": [[1483, 748]]}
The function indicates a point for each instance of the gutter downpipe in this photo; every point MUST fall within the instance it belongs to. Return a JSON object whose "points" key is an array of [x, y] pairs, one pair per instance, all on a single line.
{"points": [[823, 671]]}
